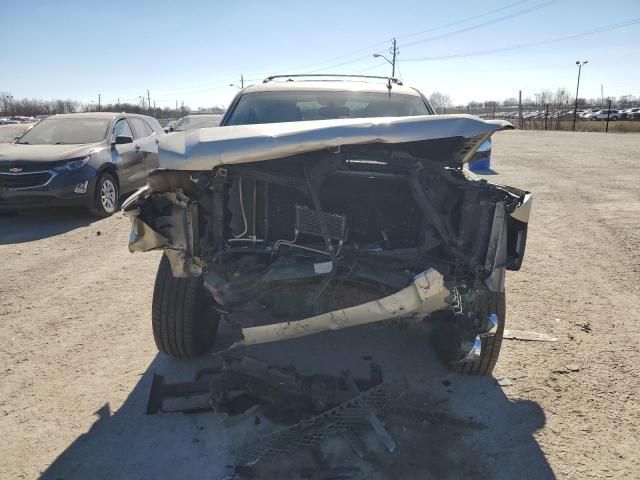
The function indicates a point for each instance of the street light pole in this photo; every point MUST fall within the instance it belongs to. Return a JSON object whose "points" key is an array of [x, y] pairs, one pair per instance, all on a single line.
{"points": [[241, 87], [10, 98], [394, 51], [575, 109]]}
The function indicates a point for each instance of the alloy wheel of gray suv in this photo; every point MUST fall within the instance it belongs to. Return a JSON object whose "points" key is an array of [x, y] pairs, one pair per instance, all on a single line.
{"points": [[106, 196]]}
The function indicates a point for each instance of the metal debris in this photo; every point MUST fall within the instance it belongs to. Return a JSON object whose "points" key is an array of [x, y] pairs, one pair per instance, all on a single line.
{"points": [[238, 385], [311, 431], [375, 422], [527, 335], [505, 382]]}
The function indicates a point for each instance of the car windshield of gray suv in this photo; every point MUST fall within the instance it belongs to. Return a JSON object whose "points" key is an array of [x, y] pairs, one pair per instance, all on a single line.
{"points": [[296, 106], [62, 131]]}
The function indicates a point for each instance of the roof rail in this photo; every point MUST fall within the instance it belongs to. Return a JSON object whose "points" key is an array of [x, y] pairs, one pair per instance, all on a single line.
{"points": [[328, 75]]}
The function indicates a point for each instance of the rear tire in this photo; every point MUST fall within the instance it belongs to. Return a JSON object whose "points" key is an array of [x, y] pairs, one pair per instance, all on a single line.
{"points": [[446, 338], [184, 324]]}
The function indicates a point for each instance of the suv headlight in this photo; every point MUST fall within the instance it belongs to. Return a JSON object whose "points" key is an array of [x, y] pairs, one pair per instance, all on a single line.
{"points": [[73, 164]]}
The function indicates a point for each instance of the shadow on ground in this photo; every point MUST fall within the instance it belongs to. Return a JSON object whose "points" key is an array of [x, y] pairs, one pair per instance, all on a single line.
{"points": [[475, 432], [38, 224], [485, 171]]}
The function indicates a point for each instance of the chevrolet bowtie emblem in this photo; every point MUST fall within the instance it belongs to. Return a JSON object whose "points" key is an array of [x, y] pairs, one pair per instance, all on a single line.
{"points": [[15, 170]]}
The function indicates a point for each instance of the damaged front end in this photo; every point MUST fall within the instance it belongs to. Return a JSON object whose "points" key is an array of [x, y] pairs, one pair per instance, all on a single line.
{"points": [[334, 232]]}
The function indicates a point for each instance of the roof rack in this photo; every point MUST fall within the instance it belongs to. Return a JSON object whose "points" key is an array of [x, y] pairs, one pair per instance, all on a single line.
{"points": [[325, 75]]}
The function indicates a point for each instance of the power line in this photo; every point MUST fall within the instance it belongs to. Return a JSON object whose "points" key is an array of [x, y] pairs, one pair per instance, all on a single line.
{"points": [[224, 83], [335, 58], [484, 24], [400, 36], [472, 27], [458, 22], [526, 45]]}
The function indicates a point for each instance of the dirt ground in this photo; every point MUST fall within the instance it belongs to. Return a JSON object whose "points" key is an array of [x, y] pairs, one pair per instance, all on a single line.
{"points": [[77, 354]]}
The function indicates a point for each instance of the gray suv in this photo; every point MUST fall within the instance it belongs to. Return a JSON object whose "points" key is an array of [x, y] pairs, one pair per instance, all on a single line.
{"points": [[80, 159]]}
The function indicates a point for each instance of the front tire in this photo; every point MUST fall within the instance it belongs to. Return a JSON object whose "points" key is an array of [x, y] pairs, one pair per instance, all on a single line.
{"points": [[447, 338], [184, 325], [106, 196]]}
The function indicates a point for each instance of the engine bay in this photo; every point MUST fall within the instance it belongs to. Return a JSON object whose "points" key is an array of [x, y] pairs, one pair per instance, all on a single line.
{"points": [[289, 238]]}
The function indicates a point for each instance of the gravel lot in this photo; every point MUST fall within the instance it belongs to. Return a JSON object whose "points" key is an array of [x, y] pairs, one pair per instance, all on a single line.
{"points": [[77, 354]]}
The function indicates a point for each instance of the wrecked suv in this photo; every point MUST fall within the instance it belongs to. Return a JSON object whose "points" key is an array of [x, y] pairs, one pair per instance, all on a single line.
{"points": [[319, 205]]}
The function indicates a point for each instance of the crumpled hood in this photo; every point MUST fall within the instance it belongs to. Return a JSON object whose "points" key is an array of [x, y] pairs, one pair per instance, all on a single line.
{"points": [[14, 152], [207, 148]]}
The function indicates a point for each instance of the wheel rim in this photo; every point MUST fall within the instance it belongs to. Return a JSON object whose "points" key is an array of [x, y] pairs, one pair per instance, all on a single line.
{"points": [[108, 196]]}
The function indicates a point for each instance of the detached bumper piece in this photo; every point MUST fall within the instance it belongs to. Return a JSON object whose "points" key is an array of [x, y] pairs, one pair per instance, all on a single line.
{"points": [[425, 295]]}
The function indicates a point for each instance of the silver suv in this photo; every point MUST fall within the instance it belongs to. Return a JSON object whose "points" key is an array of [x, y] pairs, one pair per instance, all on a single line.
{"points": [[320, 205]]}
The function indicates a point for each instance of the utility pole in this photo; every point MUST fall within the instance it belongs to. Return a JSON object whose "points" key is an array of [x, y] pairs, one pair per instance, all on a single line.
{"points": [[393, 64], [242, 81], [149, 98], [99, 98], [394, 51], [575, 110], [176, 109], [118, 100]]}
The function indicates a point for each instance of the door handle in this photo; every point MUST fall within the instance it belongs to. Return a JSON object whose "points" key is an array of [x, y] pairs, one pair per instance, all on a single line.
{"points": [[137, 147]]}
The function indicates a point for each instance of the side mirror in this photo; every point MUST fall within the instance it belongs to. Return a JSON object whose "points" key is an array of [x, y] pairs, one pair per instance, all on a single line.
{"points": [[122, 140], [170, 129]]}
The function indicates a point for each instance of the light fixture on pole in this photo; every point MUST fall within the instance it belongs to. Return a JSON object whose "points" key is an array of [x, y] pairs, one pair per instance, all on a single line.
{"points": [[394, 52]]}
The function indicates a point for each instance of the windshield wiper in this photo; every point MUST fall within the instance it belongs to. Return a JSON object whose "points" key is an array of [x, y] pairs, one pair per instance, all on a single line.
{"points": [[60, 143], [23, 143]]}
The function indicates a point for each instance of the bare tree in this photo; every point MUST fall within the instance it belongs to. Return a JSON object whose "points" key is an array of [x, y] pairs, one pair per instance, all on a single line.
{"points": [[440, 101]]}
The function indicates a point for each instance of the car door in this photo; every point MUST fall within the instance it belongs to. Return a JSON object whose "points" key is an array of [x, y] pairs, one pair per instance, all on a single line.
{"points": [[126, 157], [147, 139]]}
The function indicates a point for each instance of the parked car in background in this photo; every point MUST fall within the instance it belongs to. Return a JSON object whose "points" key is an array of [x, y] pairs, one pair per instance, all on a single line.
{"points": [[8, 121], [586, 113], [629, 113], [170, 126], [10, 133], [79, 159], [202, 120], [319, 205], [633, 115], [603, 115]]}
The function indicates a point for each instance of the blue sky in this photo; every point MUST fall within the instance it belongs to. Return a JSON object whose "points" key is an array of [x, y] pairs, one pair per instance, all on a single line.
{"points": [[190, 50]]}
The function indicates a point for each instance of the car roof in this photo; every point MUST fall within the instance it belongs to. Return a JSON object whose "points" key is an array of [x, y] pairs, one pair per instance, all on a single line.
{"points": [[350, 85], [96, 115], [204, 115]]}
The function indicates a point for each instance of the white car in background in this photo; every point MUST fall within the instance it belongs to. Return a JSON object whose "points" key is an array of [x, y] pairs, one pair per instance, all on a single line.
{"points": [[603, 115]]}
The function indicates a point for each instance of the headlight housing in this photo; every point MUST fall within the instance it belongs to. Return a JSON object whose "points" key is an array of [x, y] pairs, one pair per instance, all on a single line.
{"points": [[73, 164]]}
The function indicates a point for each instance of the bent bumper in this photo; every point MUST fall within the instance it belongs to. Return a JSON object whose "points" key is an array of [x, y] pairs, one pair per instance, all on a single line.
{"points": [[425, 295]]}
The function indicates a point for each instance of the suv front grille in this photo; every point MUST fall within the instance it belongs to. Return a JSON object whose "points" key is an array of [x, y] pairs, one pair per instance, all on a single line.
{"points": [[24, 180]]}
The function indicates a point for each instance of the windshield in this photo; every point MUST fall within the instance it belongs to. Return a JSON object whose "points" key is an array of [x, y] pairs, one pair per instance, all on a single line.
{"points": [[295, 106], [9, 132], [61, 131], [201, 121]]}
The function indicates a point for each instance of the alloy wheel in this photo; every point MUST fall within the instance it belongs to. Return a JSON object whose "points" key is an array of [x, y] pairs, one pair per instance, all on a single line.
{"points": [[108, 196]]}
